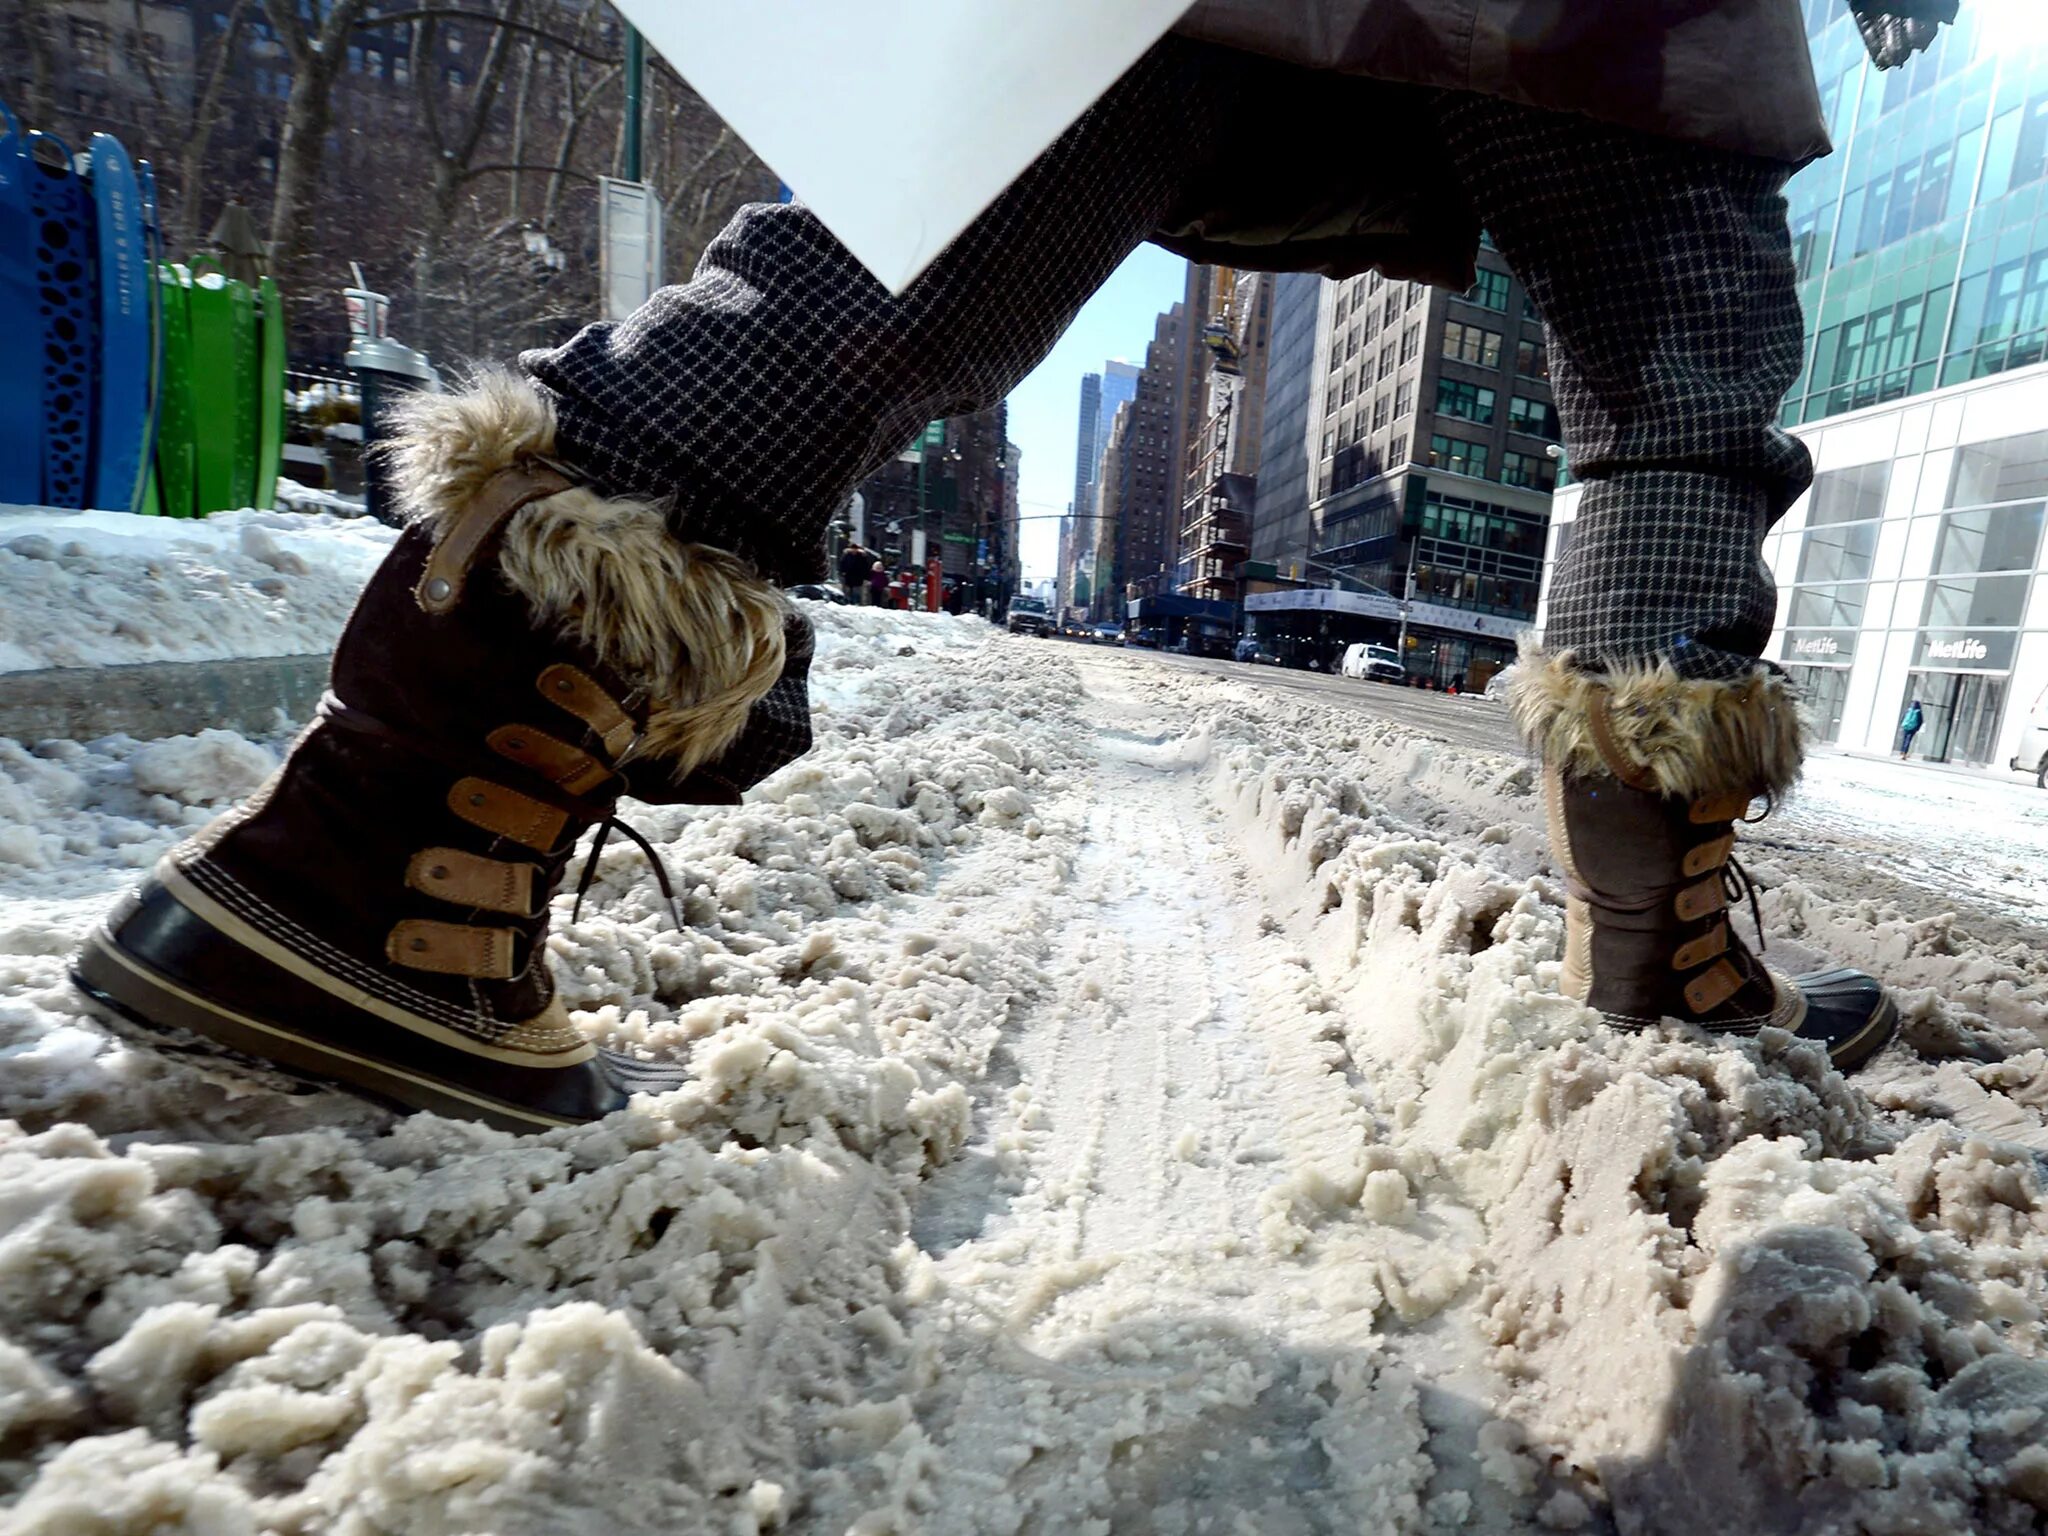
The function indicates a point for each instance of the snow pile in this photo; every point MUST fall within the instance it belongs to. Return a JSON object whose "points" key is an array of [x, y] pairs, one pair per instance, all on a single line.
{"points": [[1723, 1290], [225, 1307], [1121, 1100], [81, 589]]}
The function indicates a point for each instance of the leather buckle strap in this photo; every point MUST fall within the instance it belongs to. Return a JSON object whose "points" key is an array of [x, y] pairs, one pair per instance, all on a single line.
{"points": [[453, 949], [567, 688], [507, 813], [568, 768], [1697, 952], [1709, 855], [1599, 711], [462, 536], [470, 880], [1713, 808], [1713, 987], [1700, 900]]}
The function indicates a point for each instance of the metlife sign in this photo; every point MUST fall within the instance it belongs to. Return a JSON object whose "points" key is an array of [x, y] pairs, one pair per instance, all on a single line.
{"points": [[1372, 605], [1948, 651], [1820, 647]]}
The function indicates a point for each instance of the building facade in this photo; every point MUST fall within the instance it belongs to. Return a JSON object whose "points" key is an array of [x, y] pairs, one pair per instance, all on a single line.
{"points": [[1221, 484], [1915, 569], [1139, 499], [1281, 531], [1428, 431], [1922, 242]]}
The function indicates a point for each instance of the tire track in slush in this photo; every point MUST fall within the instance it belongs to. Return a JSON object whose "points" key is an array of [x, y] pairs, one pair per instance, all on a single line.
{"points": [[1156, 1325]]}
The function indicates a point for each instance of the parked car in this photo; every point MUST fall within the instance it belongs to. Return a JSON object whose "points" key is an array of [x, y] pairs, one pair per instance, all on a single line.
{"points": [[1147, 638], [2031, 755], [1027, 616], [1373, 663], [1497, 686], [1108, 634], [817, 592], [1250, 650]]}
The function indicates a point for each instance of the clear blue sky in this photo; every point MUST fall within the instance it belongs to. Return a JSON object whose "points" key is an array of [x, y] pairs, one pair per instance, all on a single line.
{"points": [[1045, 408]]}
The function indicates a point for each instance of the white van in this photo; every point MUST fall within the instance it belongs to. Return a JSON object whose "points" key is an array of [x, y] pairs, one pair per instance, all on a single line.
{"points": [[2032, 756], [1375, 663]]}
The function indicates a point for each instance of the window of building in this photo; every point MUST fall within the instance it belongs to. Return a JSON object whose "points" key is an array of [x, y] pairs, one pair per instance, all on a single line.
{"points": [[1397, 450], [1531, 471], [1468, 402], [1411, 343], [1379, 413], [1350, 381], [1386, 360], [1404, 399], [1471, 344], [1532, 359], [1393, 309], [1491, 290], [1849, 495], [1458, 456], [454, 77], [2006, 469], [1536, 417], [89, 44], [1415, 293]]}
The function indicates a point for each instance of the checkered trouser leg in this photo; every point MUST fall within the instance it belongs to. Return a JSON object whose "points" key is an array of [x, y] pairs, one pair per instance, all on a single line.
{"points": [[757, 394], [1664, 274]]}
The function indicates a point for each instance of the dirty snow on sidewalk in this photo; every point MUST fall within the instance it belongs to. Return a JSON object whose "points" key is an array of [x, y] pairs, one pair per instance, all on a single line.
{"points": [[1120, 1102]]}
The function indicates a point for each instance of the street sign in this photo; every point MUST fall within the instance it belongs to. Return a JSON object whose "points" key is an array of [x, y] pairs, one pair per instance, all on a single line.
{"points": [[629, 244], [898, 121]]}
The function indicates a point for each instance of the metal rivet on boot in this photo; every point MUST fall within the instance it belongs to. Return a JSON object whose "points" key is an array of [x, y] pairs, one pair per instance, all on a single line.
{"points": [[564, 685], [516, 743], [476, 799], [438, 872], [438, 589], [417, 944]]}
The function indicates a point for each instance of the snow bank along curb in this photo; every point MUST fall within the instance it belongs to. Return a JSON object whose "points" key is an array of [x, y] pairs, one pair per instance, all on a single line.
{"points": [[87, 589], [258, 695]]}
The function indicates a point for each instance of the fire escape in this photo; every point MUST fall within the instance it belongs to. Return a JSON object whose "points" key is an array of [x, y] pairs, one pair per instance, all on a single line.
{"points": [[1216, 511]]}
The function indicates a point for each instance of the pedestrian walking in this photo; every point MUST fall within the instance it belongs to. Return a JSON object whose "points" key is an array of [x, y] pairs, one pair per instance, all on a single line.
{"points": [[878, 584], [585, 603], [855, 561], [1909, 727]]}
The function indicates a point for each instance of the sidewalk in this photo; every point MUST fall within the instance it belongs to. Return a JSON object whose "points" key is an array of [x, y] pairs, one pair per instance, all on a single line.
{"points": [[1999, 774]]}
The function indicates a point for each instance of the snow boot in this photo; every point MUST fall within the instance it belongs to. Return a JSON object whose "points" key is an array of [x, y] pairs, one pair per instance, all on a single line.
{"points": [[1645, 776], [376, 915]]}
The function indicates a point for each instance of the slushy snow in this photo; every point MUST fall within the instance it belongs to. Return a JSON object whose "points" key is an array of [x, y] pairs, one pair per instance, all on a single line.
{"points": [[1121, 1101]]}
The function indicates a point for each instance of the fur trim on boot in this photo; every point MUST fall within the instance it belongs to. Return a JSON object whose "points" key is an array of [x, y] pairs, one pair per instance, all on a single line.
{"points": [[688, 625], [1684, 737]]}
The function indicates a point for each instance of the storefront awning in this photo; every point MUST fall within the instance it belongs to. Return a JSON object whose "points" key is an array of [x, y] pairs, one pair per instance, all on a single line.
{"points": [[1372, 605]]}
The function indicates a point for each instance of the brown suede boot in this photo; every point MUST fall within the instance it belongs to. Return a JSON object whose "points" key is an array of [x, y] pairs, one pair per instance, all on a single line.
{"points": [[376, 916], [1645, 776]]}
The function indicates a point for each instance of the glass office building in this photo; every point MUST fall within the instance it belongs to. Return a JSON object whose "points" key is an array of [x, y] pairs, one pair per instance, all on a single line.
{"points": [[1922, 242]]}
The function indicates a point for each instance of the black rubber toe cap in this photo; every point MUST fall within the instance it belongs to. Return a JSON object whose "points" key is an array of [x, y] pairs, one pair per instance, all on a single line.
{"points": [[1849, 1011]]}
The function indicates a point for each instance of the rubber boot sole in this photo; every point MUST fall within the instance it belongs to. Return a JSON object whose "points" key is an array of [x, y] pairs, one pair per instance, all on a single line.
{"points": [[152, 1007], [1874, 1036]]}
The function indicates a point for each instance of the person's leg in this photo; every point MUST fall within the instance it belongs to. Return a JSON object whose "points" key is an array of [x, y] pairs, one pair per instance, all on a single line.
{"points": [[1664, 275], [757, 394], [583, 608]]}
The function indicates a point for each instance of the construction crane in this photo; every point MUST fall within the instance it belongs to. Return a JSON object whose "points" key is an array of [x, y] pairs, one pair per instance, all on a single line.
{"points": [[1219, 333]]}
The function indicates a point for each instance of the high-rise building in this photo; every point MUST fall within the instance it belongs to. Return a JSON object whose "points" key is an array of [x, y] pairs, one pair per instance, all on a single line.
{"points": [[1119, 383], [1281, 531], [1223, 455], [1087, 440], [1915, 569], [1429, 471], [1139, 488], [1921, 242]]}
